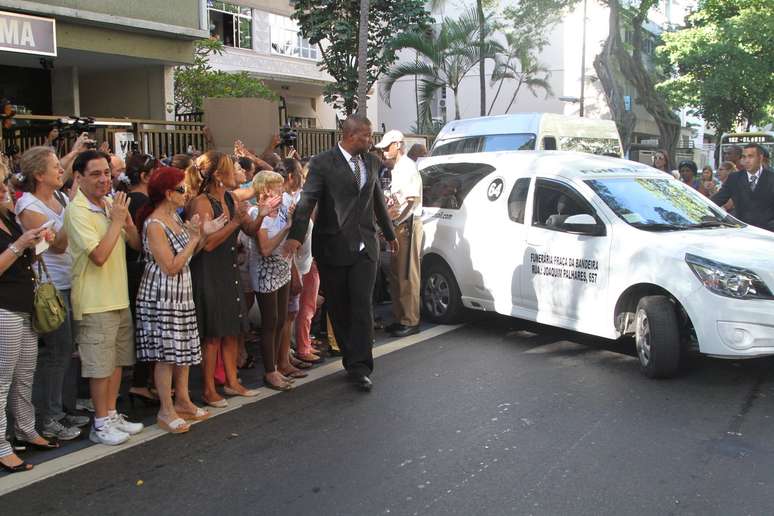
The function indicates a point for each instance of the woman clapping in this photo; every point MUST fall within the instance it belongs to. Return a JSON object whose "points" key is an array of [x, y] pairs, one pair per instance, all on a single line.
{"points": [[167, 332]]}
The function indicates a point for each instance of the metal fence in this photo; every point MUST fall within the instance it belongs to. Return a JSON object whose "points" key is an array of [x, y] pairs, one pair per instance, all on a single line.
{"points": [[156, 137]]}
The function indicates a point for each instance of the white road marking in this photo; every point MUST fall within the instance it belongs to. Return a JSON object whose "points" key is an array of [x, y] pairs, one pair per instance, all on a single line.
{"points": [[48, 469]]}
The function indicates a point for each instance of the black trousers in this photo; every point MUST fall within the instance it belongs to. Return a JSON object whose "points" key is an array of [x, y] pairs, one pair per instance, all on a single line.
{"points": [[348, 292]]}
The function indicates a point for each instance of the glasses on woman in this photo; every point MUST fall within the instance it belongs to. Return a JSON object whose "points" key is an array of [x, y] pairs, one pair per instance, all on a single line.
{"points": [[179, 189]]}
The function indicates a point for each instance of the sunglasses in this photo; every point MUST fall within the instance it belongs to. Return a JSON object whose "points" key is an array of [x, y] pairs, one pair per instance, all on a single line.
{"points": [[179, 189]]}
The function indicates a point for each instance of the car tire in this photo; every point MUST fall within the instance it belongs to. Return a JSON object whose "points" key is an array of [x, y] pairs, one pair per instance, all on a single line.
{"points": [[440, 294], [657, 337]]}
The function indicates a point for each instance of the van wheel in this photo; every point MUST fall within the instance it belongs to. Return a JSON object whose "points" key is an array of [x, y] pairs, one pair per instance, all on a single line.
{"points": [[441, 302], [657, 337]]}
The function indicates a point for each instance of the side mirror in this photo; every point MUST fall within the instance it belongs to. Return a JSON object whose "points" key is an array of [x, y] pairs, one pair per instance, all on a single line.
{"points": [[584, 224]]}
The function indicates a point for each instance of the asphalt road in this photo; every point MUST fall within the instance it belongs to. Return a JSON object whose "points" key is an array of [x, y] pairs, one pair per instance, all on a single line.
{"points": [[497, 417]]}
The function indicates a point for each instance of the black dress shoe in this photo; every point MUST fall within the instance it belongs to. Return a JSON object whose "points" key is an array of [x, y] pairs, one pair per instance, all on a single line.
{"points": [[362, 382], [405, 331], [392, 327]]}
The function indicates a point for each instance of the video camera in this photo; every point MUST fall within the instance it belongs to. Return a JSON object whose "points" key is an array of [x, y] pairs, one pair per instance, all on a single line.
{"points": [[288, 137], [73, 126]]}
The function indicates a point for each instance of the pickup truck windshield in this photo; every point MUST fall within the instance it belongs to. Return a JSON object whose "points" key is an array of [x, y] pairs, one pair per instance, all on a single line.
{"points": [[655, 204]]}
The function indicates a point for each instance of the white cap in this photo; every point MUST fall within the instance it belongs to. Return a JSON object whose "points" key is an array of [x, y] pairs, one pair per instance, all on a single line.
{"points": [[388, 138]]}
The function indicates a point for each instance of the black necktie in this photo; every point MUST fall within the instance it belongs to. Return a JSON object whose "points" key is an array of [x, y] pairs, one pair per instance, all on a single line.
{"points": [[356, 170]]}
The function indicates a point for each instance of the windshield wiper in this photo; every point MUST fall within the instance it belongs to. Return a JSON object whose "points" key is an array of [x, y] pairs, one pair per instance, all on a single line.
{"points": [[714, 224], [658, 226]]}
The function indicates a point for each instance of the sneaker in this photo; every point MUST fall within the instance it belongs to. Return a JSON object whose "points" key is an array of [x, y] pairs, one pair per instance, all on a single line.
{"points": [[84, 404], [53, 429], [108, 434], [119, 422], [76, 420]]}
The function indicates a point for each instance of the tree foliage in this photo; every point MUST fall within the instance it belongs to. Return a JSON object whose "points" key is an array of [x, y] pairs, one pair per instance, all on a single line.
{"points": [[724, 62], [197, 81], [445, 58], [333, 26]]}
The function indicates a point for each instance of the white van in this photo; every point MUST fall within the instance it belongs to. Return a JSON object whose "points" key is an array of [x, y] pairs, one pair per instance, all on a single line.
{"points": [[598, 245], [528, 131]]}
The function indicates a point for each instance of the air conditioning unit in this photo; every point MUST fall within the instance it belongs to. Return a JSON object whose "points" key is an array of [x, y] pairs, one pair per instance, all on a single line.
{"points": [[442, 103]]}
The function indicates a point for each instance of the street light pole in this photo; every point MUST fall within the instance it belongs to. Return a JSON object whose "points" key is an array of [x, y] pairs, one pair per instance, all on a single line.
{"points": [[583, 62]]}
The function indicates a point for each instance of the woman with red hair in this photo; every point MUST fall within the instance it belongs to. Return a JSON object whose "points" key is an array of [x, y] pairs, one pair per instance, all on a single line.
{"points": [[166, 328]]}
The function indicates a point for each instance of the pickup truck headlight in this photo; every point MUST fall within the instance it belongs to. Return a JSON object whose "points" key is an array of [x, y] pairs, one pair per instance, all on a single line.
{"points": [[727, 280]]}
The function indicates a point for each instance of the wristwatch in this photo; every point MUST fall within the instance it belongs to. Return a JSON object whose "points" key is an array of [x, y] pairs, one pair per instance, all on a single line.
{"points": [[15, 250]]}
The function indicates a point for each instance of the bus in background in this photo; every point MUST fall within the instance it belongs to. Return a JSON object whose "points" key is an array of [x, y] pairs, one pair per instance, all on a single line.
{"points": [[528, 131], [763, 138]]}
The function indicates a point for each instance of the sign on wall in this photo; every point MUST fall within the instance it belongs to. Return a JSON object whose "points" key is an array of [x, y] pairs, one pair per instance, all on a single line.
{"points": [[27, 34]]}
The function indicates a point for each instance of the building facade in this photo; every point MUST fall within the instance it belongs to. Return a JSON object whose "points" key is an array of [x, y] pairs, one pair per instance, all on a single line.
{"points": [[568, 67], [260, 38], [113, 58]]}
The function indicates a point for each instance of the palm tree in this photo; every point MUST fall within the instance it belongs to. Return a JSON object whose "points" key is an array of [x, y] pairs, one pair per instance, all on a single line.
{"points": [[362, 60], [445, 58], [518, 64]]}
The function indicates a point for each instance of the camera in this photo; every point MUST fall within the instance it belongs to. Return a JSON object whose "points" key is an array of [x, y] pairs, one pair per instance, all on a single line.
{"points": [[288, 137], [74, 126]]}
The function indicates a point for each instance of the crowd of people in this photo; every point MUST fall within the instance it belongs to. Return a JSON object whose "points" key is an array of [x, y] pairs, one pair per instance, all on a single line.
{"points": [[158, 261], [709, 182]]}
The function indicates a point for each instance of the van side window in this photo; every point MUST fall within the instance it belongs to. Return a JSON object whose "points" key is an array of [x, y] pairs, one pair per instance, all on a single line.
{"points": [[503, 142], [554, 202], [465, 145], [549, 143], [446, 185], [517, 201]]}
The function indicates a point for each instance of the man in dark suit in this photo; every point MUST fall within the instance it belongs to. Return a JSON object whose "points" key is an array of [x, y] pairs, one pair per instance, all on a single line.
{"points": [[343, 185], [752, 190]]}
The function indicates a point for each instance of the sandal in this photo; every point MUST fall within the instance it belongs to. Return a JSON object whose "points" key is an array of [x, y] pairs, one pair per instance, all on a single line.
{"points": [[176, 426], [19, 468], [311, 358], [199, 415], [50, 445], [295, 374], [281, 387], [299, 364]]}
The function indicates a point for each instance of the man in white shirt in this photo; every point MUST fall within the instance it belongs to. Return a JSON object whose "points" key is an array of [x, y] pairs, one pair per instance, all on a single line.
{"points": [[406, 210]]}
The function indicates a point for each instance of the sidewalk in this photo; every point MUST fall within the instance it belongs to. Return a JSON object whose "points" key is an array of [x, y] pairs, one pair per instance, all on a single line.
{"points": [[251, 378]]}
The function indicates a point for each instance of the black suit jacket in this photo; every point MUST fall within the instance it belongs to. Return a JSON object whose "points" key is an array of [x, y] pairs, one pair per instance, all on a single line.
{"points": [[346, 216], [753, 207]]}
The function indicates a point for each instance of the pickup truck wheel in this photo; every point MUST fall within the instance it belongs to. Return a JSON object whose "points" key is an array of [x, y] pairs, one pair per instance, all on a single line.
{"points": [[657, 337], [441, 301]]}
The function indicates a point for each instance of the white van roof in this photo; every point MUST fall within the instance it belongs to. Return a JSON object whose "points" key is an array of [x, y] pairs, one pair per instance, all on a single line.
{"points": [[571, 165], [552, 123]]}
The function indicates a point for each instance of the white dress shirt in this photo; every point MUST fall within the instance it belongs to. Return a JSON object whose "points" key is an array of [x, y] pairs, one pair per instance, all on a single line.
{"points": [[361, 164]]}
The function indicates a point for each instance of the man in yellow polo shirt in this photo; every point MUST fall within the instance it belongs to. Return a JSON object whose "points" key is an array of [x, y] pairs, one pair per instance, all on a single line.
{"points": [[97, 229]]}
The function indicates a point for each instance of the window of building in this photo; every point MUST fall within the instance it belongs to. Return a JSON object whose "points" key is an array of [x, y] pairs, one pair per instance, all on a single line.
{"points": [[230, 23], [286, 39]]}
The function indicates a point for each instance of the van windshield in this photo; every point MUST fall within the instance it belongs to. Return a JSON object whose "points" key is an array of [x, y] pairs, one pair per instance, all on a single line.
{"points": [[655, 204]]}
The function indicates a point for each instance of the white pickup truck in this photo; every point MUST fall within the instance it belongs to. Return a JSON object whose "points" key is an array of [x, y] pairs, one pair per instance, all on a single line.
{"points": [[598, 245]]}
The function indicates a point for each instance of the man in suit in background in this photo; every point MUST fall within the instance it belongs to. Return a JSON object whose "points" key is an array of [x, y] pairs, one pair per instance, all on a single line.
{"points": [[752, 190], [343, 185]]}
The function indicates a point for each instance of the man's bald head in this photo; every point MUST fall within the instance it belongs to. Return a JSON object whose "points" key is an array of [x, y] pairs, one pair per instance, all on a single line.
{"points": [[353, 124], [356, 137]]}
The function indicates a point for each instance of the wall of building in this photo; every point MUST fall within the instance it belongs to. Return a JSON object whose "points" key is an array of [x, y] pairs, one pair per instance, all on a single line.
{"points": [[142, 92], [180, 13]]}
